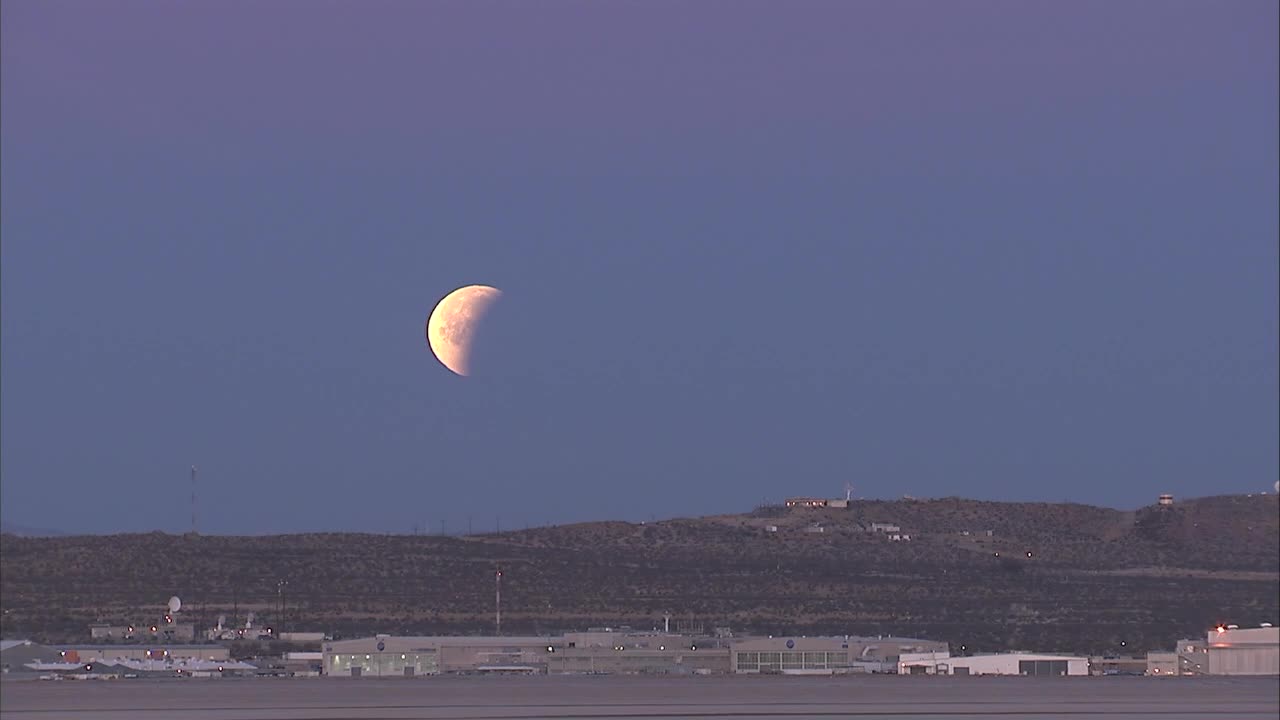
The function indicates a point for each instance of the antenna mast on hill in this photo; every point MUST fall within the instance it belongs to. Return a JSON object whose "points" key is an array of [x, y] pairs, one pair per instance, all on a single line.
{"points": [[848, 491], [193, 499]]}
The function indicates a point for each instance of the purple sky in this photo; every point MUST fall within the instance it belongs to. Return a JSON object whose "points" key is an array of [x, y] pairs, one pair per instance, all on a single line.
{"points": [[1008, 250]]}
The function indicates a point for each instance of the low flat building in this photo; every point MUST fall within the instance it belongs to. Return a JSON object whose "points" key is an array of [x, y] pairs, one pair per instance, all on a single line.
{"points": [[677, 659], [1162, 664], [596, 651], [1117, 665], [427, 655], [304, 664], [824, 655], [143, 668], [86, 653], [302, 637], [158, 632]]}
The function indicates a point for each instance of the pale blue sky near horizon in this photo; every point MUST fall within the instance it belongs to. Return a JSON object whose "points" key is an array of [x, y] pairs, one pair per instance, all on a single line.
{"points": [[1001, 250]]}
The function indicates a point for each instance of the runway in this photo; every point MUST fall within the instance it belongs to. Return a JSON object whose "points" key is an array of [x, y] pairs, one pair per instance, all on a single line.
{"points": [[721, 697]]}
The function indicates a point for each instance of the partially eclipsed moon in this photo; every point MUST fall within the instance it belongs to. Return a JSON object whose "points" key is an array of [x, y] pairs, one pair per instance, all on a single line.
{"points": [[452, 325]]}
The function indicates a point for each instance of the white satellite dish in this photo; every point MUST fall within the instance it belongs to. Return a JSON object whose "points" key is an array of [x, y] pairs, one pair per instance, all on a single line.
{"points": [[175, 604]]}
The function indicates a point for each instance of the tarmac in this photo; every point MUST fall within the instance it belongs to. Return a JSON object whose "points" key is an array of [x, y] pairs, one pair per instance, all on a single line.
{"points": [[721, 697]]}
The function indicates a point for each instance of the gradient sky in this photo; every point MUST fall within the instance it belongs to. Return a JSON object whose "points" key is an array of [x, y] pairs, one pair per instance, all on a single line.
{"points": [[1003, 250]]}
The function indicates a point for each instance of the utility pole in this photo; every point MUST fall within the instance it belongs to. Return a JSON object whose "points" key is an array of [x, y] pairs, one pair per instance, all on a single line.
{"points": [[497, 580], [280, 620]]}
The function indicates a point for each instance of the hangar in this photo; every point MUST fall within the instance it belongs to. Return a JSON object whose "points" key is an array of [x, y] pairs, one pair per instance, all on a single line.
{"points": [[825, 655], [1036, 664], [1243, 651]]}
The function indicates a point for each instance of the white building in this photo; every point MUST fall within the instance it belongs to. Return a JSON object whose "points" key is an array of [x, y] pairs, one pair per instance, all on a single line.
{"points": [[1248, 651], [939, 663], [1162, 664]]}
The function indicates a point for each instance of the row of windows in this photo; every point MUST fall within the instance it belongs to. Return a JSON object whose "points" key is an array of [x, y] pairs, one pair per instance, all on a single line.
{"points": [[795, 660]]}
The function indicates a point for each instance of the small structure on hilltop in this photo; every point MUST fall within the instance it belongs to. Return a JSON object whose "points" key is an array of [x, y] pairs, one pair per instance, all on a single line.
{"points": [[817, 502], [1165, 499], [807, 502]]}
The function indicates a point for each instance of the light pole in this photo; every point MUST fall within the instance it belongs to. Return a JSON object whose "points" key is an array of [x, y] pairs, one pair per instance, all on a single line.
{"points": [[280, 585], [497, 596]]}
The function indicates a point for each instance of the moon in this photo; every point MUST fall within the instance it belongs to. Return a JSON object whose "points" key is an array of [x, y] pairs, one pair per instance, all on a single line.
{"points": [[452, 325]]}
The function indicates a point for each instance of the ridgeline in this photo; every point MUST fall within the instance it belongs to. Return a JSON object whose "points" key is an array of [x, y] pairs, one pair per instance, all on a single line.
{"points": [[990, 576]]}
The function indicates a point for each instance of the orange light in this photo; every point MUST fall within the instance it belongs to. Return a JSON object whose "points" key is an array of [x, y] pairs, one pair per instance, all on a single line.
{"points": [[1221, 629]]}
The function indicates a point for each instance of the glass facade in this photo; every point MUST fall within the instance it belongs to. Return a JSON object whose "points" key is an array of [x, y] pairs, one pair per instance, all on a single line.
{"points": [[382, 664], [791, 660]]}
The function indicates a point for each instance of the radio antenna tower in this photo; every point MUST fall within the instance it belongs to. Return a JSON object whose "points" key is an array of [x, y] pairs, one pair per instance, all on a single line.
{"points": [[193, 499], [848, 491]]}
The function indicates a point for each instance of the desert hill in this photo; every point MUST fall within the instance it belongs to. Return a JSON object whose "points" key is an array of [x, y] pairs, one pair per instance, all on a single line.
{"points": [[1096, 580]]}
